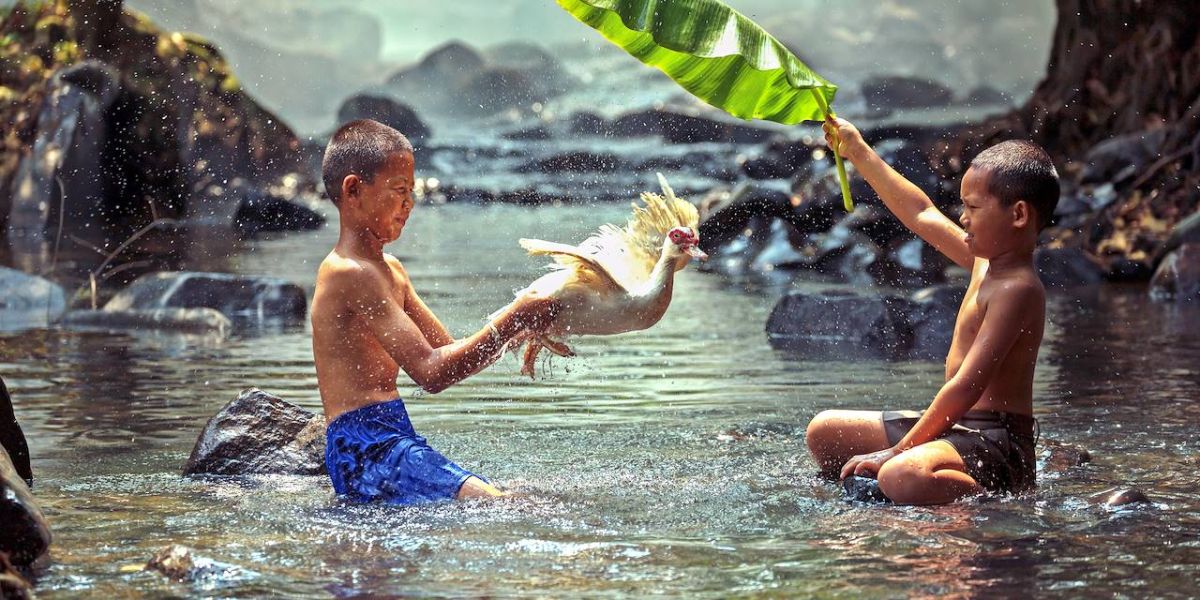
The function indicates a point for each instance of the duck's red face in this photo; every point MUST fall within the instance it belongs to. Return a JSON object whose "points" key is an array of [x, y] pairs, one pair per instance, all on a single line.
{"points": [[688, 241]]}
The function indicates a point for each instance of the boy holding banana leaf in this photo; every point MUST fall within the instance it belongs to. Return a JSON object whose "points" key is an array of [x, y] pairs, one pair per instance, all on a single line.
{"points": [[978, 433]]}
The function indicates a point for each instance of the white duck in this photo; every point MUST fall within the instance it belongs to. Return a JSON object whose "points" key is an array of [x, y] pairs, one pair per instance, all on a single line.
{"points": [[620, 278]]}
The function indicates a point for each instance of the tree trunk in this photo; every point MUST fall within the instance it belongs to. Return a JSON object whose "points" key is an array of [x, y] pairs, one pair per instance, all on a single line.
{"points": [[1116, 67]]}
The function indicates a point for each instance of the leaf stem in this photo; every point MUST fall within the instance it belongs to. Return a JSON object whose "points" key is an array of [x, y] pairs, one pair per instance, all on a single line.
{"points": [[847, 201]]}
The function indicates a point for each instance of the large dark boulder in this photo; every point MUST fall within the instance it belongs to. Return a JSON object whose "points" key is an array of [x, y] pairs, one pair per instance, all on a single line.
{"points": [[28, 301], [574, 162], [834, 325], [259, 434], [12, 439], [931, 315], [240, 298], [1178, 275], [892, 91], [682, 128], [24, 533], [1067, 267], [387, 111], [1122, 157], [262, 212]]}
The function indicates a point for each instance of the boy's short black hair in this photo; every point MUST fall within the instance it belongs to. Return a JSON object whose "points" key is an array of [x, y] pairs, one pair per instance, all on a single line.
{"points": [[360, 148], [1021, 170]]}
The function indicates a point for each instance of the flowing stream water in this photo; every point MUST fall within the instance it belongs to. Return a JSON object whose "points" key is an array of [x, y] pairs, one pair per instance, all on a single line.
{"points": [[666, 462]]}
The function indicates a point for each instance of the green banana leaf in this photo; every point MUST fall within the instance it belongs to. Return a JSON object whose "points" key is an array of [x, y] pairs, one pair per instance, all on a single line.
{"points": [[718, 55]]}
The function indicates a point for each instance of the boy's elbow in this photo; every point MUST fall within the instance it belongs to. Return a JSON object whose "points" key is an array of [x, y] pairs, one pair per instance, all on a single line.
{"points": [[433, 387]]}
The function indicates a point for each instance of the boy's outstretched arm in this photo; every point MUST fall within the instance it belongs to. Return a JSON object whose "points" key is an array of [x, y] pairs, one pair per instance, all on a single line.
{"points": [[1007, 315], [434, 368], [904, 199]]}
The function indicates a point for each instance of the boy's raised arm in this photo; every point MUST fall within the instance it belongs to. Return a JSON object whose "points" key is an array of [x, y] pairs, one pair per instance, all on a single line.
{"points": [[904, 199], [433, 368]]}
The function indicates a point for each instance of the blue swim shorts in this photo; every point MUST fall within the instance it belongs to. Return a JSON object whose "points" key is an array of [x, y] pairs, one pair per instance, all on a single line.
{"points": [[374, 455]]}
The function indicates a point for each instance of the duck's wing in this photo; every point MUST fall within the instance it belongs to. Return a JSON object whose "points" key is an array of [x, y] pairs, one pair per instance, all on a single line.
{"points": [[590, 269]]}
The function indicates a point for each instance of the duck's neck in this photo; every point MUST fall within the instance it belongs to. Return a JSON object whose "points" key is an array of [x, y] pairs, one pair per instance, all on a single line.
{"points": [[656, 294]]}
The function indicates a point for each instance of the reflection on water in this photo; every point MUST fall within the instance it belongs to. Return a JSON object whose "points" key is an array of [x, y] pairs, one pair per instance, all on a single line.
{"points": [[667, 461]]}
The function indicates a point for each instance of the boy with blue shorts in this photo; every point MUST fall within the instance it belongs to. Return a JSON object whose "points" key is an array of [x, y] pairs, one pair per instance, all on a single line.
{"points": [[369, 323]]}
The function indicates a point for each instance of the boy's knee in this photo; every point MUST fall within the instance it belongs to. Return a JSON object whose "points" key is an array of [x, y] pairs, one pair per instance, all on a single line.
{"points": [[818, 432], [903, 481]]}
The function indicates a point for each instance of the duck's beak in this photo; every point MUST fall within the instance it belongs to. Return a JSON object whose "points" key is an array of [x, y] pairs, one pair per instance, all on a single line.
{"points": [[695, 252]]}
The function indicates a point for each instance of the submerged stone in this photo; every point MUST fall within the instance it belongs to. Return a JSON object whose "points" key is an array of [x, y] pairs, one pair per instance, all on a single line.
{"points": [[28, 301], [240, 298], [834, 325], [260, 434], [1126, 497], [12, 439], [864, 489], [24, 533], [1178, 275], [180, 564], [182, 320]]}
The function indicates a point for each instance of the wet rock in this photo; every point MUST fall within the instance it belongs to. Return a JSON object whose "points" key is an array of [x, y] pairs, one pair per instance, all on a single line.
{"points": [[544, 72], [728, 217], [13, 586], [452, 63], [909, 263], [586, 123], [835, 325], [260, 434], [181, 564], [387, 111], [986, 95], [72, 130], [864, 489], [781, 158], [1186, 231], [181, 320], [891, 92], [535, 133], [1067, 267], [12, 439], [497, 89], [931, 316], [261, 212], [240, 298], [1122, 157], [574, 162], [1126, 497], [1127, 269], [25, 535], [28, 301], [847, 255], [1178, 275], [1058, 457], [681, 128]]}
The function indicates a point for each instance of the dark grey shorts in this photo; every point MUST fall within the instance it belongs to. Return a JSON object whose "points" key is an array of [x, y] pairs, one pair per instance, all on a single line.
{"points": [[996, 447]]}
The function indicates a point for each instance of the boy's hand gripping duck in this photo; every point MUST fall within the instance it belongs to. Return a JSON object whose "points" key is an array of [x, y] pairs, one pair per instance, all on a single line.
{"points": [[619, 279]]}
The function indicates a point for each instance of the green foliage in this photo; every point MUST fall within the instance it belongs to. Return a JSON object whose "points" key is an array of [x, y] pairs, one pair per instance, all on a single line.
{"points": [[718, 55]]}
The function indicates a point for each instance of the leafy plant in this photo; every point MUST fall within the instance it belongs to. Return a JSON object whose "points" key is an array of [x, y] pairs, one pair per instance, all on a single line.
{"points": [[719, 55]]}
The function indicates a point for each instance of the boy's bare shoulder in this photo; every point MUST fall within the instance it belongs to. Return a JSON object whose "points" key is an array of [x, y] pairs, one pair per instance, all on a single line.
{"points": [[1023, 288], [346, 274]]}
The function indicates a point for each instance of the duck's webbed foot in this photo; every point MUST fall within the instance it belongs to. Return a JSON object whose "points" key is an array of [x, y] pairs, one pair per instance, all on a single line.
{"points": [[531, 352], [556, 347]]}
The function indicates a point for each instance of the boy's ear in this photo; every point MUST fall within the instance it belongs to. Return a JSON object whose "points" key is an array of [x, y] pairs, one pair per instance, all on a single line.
{"points": [[1022, 215], [351, 186]]}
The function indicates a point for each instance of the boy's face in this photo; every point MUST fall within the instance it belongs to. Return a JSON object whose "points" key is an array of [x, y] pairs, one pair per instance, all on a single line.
{"points": [[387, 200], [990, 226]]}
